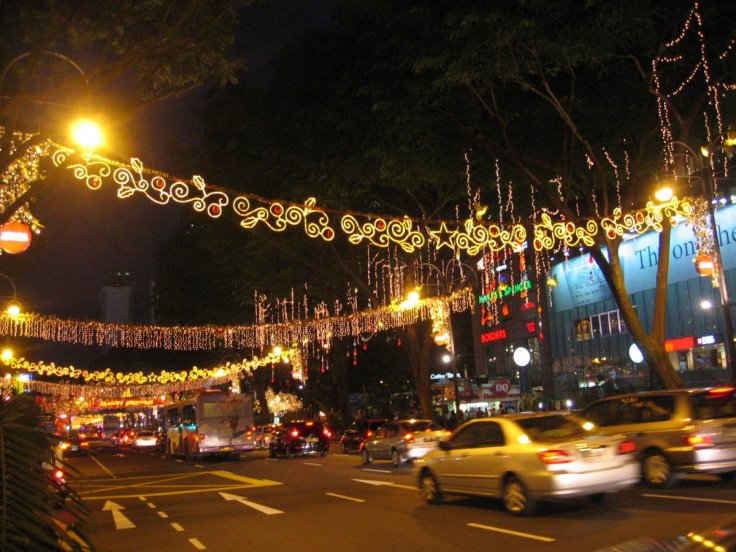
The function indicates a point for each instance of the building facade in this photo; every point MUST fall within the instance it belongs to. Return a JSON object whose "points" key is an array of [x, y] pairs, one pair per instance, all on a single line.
{"points": [[589, 341]]}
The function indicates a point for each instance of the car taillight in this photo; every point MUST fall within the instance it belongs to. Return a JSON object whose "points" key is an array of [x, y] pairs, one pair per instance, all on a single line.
{"points": [[409, 437], [369, 434], [327, 433], [721, 391], [626, 447], [58, 475], [83, 444], [295, 433], [555, 457], [699, 441]]}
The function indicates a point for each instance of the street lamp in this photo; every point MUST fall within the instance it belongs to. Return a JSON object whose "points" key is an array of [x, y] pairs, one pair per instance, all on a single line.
{"points": [[13, 307], [704, 167], [450, 273]]}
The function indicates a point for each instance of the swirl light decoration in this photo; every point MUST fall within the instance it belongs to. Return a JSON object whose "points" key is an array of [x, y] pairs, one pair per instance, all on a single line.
{"points": [[409, 234], [252, 336]]}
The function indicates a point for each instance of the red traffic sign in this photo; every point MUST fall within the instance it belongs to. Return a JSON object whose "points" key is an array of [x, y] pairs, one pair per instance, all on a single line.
{"points": [[15, 237]]}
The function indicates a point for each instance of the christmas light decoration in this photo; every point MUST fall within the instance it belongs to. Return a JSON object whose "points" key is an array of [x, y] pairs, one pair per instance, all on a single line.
{"points": [[253, 336], [410, 235]]}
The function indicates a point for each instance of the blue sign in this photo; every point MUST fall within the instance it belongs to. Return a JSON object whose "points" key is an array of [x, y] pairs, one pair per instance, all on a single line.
{"points": [[581, 282]]}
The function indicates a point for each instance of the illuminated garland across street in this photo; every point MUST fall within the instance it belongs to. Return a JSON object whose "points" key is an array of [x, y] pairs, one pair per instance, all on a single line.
{"points": [[106, 384], [254, 336], [405, 232]]}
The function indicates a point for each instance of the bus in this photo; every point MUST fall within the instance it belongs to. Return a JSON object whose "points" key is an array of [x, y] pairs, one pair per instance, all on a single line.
{"points": [[213, 423]]}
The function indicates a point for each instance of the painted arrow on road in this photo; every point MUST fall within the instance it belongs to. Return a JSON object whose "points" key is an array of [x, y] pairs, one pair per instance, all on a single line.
{"points": [[385, 483], [121, 522], [263, 509]]}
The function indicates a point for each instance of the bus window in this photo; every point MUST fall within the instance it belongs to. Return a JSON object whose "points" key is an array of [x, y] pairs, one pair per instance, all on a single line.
{"points": [[188, 416], [172, 417]]}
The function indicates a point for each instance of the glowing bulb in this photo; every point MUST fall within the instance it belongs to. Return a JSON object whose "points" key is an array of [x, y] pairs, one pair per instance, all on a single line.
{"points": [[87, 134]]}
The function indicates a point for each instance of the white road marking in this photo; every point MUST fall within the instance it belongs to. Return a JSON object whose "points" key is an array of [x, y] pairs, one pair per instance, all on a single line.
{"points": [[260, 507], [271, 459], [509, 532], [151, 505], [164, 515], [104, 468], [345, 497], [121, 522], [377, 471], [142, 498], [385, 484], [311, 464], [693, 499], [177, 527], [198, 545], [179, 460], [198, 466]]}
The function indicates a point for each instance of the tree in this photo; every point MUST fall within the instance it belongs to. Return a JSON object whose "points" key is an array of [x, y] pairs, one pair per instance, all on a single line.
{"points": [[541, 87], [61, 59]]}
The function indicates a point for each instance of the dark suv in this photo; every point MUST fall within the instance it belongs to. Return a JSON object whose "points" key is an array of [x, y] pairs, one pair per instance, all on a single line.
{"points": [[303, 437], [359, 431], [675, 431]]}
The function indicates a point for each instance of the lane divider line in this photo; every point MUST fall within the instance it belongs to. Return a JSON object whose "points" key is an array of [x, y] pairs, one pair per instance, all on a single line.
{"points": [[104, 468], [198, 545], [142, 498], [692, 499], [177, 527], [151, 505], [377, 471], [163, 515], [345, 497], [312, 464], [510, 532]]}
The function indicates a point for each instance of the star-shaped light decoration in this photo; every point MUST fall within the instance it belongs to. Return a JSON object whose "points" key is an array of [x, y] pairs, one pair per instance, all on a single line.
{"points": [[444, 236]]}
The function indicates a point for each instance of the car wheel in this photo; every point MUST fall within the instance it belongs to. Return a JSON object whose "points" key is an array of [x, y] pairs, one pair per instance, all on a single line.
{"points": [[429, 488], [516, 498], [365, 457], [657, 471], [396, 458]]}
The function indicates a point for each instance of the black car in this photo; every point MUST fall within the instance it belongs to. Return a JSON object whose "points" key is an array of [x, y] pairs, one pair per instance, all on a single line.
{"points": [[302, 437], [359, 431]]}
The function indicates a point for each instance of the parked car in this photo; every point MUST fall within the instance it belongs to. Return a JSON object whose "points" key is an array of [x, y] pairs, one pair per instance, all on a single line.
{"points": [[145, 439], [263, 435], [675, 431], [302, 437], [359, 431], [524, 458], [402, 441]]}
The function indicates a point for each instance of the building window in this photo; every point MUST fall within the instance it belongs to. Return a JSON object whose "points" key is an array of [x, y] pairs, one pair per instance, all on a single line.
{"points": [[599, 325]]}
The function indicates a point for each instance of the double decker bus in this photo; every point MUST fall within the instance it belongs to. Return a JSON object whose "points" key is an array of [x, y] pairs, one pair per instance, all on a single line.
{"points": [[211, 423]]}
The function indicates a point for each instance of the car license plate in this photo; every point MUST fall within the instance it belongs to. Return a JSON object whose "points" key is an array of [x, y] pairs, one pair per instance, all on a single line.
{"points": [[312, 440], [592, 455], [226, 449]]}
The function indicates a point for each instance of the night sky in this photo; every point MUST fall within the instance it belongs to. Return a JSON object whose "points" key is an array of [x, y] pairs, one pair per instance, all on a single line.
{"points": [[89, 235]]}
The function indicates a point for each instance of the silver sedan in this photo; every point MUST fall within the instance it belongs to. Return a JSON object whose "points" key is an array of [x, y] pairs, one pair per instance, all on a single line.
{"points": [[523, 458], [402, 441]]}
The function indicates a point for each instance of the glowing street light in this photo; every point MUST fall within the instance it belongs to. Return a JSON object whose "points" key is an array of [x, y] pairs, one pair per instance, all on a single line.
{"points": [[87, 134], [7, 354]]}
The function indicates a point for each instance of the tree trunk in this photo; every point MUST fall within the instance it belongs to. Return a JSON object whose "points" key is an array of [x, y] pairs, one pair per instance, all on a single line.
{"points": [[419, 343]]}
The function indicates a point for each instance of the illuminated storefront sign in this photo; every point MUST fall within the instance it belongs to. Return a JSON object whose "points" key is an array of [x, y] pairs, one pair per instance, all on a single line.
{"points": [[505, 292], [495, 335], [679, 344], [707, 340]]}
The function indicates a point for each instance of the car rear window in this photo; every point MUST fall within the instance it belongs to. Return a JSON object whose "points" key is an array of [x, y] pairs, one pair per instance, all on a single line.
{"points": [[716, 403], [420, 425], [551, 428]]}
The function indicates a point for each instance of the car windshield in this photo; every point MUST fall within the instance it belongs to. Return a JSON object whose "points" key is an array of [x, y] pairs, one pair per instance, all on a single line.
{"points": [[145, 434], [550, 428]]}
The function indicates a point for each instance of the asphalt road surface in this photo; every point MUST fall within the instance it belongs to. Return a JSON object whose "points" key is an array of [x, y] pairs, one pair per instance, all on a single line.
{"points": [[144, 500]]}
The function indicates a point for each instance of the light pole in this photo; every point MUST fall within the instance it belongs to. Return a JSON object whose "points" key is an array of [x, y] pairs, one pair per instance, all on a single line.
{"points": [[450, 273], [707, 178]]}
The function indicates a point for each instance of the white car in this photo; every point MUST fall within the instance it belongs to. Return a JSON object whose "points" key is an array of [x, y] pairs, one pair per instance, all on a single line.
{"points": [[522, 458], [145, 439]]}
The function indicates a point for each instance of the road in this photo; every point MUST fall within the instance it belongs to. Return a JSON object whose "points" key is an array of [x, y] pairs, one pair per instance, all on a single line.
{"points": [[144, 500]]}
